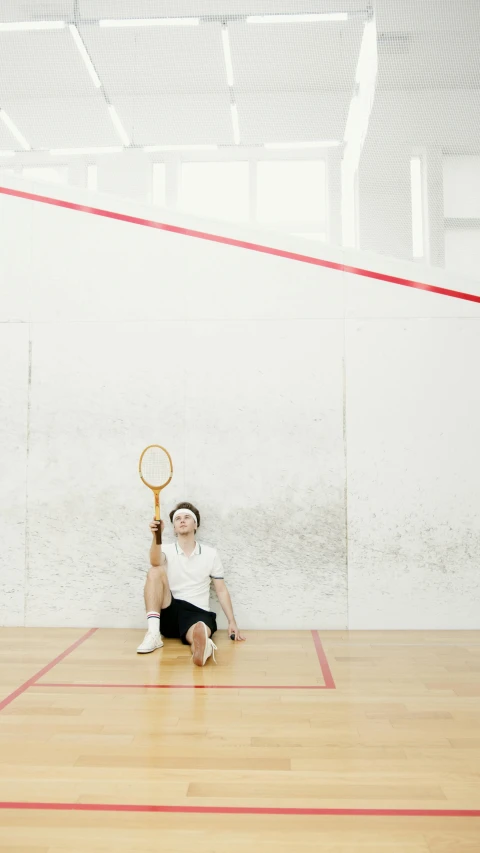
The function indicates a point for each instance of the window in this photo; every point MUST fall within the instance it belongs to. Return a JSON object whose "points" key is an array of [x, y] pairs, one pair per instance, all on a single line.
{"points": [[291, 191], [158, 175], [52, 174], [219, 190], [462, 251], [92, 177], [461, 187]]}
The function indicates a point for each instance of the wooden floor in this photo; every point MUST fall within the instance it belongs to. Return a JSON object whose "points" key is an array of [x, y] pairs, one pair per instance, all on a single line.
{"points": [[338, 742]]}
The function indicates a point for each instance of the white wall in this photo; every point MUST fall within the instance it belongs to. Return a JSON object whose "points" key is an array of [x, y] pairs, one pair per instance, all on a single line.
{"points": [[13, 452], [291, 397]]}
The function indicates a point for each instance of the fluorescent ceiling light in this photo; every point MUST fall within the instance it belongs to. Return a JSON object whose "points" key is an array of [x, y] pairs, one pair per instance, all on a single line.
{"points": [[356, 130], [18, 26], [366, 71], [118, 125], [84, 54], [281, 19], [362, 101], [321, 143], [14, 130], [149, 22], [228, 55], [180, 147], [236, 127], [62, 152], [7, 153], [417, 207]]}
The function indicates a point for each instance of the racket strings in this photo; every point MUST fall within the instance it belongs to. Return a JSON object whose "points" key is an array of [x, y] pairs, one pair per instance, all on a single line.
{"points": [[155, 467]]}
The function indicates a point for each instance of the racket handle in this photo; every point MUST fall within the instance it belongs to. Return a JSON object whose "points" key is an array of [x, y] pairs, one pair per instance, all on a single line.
{"points": [[232, 636], [158, 534]]}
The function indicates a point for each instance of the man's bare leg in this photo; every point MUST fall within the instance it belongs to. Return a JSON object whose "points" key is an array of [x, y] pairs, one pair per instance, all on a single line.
{"points": [[157, 596], [157, 591]]}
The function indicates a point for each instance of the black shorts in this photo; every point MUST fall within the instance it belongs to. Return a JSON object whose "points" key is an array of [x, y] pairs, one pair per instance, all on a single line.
{"points": [[179, 616]]}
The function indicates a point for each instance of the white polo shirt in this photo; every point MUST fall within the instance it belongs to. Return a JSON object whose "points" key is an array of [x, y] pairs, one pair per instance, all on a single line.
{"points": [[190, 577]]}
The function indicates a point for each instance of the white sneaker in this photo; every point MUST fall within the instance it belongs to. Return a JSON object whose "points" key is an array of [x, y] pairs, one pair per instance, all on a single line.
{"points": [[150, 642], [202, 645]]}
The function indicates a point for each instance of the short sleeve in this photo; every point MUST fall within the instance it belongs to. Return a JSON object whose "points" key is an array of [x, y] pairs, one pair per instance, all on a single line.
{"points": [[167, 549], [217, 569]]}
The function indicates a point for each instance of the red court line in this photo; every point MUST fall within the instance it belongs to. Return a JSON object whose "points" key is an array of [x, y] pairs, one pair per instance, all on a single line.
{"points": [[252, 810], [327, 676], [326, 672], [189, 686], [417, 285], [241, 244], [31, 681]]}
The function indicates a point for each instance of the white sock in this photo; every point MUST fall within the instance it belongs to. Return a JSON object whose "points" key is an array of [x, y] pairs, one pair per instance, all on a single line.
{"points": [[153, 622]]}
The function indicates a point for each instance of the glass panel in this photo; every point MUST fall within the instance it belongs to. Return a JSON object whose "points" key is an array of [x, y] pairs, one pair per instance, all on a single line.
{"points": [[52, 174], [291, 191], [92, 177], [158, 175], [219, 190]]}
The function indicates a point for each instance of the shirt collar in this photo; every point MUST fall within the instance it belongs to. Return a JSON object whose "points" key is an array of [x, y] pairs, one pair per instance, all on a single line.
{"points": [[196, 550]]}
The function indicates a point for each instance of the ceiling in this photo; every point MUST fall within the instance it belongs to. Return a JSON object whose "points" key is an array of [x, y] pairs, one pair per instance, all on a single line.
{"points": [[293, 82]]}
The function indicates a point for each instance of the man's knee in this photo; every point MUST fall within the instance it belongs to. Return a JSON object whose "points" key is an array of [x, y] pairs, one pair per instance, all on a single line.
{"points": [[157, 575]]}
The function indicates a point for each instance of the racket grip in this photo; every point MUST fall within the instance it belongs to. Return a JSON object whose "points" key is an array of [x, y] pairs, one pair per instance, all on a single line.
{"points": [[232, 636], [158, 535]]}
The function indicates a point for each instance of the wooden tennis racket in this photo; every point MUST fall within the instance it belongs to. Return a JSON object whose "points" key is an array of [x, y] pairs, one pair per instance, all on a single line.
{"points": [[156, 471]]}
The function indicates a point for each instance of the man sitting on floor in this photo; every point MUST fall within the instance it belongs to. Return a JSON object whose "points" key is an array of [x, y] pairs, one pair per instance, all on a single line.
{"points": [[177, 589]]}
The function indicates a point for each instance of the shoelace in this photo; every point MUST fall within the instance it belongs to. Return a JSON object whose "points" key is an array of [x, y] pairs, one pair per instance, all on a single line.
{"points": [[147, 635]]}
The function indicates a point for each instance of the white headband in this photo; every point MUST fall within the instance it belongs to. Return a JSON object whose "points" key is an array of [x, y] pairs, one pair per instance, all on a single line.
{"points": [[184, 512]]}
